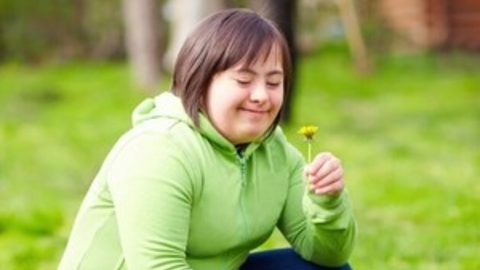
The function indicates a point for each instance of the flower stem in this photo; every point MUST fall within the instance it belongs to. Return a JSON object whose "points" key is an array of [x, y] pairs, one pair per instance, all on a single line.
{"points": [[309, 159]]}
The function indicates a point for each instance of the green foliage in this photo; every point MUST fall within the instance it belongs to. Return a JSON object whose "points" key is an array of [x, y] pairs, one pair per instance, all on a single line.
{"points": [[29, 28], [55, 30], [407, 135]]}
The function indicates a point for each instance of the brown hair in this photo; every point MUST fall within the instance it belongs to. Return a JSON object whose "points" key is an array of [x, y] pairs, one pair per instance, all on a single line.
{"points": [[219, 42]]}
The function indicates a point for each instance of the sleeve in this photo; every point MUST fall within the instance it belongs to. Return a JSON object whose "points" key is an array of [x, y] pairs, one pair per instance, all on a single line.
{"points": [[322, 229], [152, 192]]}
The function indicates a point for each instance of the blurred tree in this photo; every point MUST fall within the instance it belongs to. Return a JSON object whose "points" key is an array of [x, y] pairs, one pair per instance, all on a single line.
{"points": [[183, 15], [101, 23], [30, 31], [354, 35], [142, 34], [283, 13]]}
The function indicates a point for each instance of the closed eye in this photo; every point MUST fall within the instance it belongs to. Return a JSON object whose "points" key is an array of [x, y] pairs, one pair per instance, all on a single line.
{"points": [[273, 84], [244, 82]]}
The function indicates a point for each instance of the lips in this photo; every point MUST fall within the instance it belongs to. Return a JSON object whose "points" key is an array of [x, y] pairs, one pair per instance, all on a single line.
{"points": [[254, 110]]}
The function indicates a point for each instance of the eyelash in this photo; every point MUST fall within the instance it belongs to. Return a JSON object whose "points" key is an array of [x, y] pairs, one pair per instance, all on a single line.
{"points": [[273, 84], [241, 82], [245, 83]]}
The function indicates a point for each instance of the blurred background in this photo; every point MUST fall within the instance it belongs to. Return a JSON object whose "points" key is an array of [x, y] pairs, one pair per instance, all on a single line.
{"points": [[393, 86]]}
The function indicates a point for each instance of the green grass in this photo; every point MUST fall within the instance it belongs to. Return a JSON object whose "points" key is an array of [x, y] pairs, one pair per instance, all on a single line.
{"points": [[57, 124], [408, 135]]}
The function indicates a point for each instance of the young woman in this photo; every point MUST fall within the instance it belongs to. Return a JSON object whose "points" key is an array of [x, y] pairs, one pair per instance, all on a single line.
{"points": [[205, 175]]}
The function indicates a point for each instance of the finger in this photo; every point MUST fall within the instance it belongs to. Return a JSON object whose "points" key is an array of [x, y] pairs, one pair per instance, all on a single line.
{"points": [[332, 177], [327, 168], [332, 189], [318, 162]]}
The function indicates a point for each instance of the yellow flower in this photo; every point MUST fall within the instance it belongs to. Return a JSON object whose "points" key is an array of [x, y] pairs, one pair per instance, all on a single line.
{"points": [[308, 131]]}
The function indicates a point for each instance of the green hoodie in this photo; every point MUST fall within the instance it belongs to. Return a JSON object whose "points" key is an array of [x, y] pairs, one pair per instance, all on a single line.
{"points": [[173, 196]]}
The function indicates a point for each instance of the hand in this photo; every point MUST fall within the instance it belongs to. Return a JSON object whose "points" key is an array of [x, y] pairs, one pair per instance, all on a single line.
{"points": [[325, 175]]}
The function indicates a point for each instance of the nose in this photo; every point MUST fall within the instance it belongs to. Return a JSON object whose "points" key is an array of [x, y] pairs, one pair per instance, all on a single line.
{"points": [[259, 93]]}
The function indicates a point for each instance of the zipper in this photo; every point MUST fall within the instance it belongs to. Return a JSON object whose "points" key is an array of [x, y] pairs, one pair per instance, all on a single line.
{"points": [[242, 161]]}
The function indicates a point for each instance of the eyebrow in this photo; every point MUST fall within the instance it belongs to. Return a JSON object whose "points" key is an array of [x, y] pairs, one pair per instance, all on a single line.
{"points": [[270, 73]]}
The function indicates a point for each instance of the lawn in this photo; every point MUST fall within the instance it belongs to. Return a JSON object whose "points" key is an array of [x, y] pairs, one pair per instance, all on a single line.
{"points": [[408, 135]]}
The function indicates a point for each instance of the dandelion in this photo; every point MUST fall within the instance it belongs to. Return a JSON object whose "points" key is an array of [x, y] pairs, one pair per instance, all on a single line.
{"points": [[308, 131]]}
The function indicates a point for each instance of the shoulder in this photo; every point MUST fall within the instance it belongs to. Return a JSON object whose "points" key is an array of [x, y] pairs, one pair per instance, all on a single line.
{"points": [[280, 140], [281, 146], [165, 132], [155, 141]]}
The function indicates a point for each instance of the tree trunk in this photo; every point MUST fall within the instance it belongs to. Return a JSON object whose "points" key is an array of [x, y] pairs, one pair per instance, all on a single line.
{"points": [[283, 13], [142, 33], [354, 36], [184, 16]]}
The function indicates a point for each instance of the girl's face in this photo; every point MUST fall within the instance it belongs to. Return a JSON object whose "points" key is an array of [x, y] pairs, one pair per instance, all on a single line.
{"points": [[242, 102]]}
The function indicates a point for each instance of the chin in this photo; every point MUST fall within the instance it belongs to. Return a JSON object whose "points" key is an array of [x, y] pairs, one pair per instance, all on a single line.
{"points": [[256, 134], [249, 132]]}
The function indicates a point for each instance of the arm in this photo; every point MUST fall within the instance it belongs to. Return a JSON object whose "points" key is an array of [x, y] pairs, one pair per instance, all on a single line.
{"points": [[152, 194], [321, 228]]}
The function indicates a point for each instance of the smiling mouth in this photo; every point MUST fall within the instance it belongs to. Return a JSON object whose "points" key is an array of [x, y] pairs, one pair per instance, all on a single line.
{"points": [[254, 111]]}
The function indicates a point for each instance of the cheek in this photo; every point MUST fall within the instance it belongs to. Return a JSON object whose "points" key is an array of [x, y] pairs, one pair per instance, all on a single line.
{"points": [[278, 98], [216, 107]]}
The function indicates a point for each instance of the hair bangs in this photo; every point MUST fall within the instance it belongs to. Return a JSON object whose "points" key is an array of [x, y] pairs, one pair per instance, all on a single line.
{"points": [[246, 47]]}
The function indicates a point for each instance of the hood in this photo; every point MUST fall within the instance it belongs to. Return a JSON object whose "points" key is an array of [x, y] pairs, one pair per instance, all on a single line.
{"points": [[165, 105], [169, 106]]}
